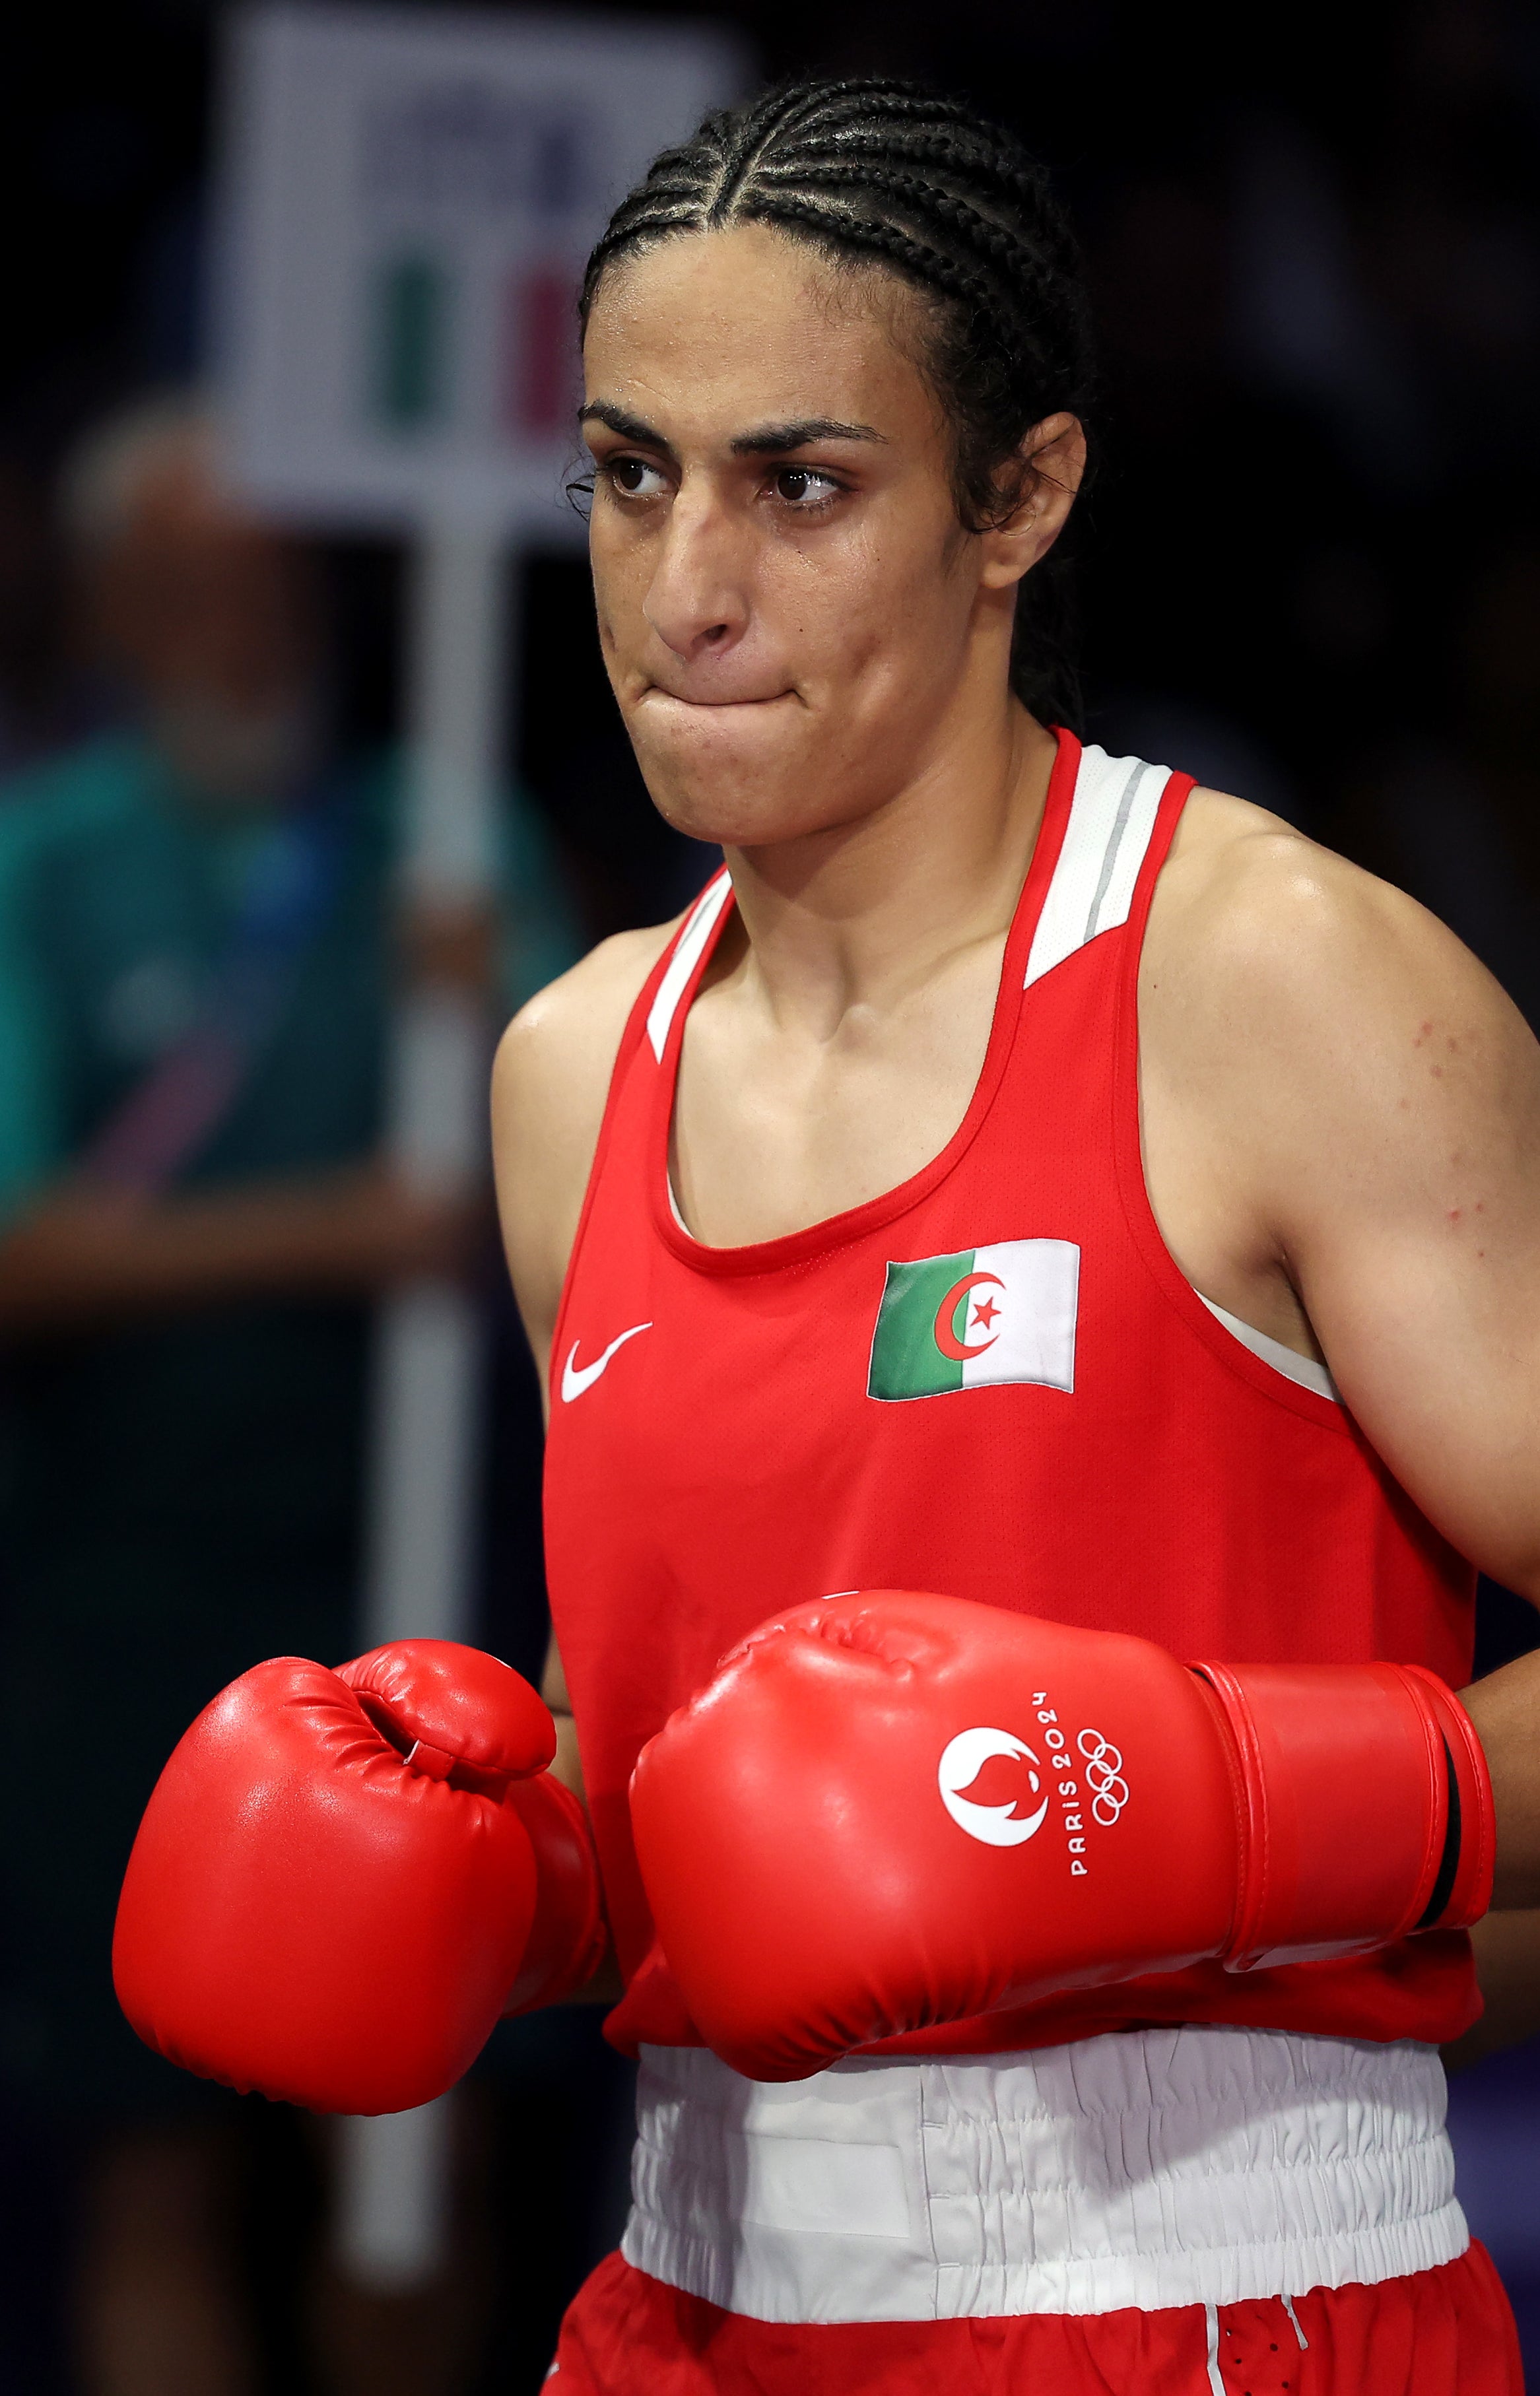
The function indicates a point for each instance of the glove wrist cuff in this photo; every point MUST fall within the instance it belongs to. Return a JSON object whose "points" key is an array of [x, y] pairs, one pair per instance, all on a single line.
{"points": [[1364, 1805], [1463, 1889]]}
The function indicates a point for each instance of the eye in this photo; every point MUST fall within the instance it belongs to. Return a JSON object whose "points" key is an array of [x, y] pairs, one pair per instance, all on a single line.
{"points": [[634, 478], [805, 488]]}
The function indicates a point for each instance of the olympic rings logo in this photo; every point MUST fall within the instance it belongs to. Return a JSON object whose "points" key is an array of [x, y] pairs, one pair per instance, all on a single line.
{"points": [[1104, 1773]]}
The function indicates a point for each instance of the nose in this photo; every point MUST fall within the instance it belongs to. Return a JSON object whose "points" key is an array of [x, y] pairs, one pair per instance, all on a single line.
{"points": [[697, 601]]}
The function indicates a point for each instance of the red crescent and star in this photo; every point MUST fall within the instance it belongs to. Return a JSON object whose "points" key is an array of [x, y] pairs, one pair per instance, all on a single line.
{"points": [[983, 1312]]}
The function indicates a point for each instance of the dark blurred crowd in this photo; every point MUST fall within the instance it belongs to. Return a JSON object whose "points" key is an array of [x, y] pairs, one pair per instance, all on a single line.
{"points": [[1309, 573], [1323, 328]]}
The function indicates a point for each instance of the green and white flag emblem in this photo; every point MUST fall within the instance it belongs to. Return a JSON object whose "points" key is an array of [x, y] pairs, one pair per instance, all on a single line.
{"points": [[1003, 1313]]}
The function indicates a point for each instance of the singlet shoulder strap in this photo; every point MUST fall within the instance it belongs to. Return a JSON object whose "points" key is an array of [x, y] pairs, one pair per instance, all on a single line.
{"points": [[682, 960], [1111, 819], [648, 1025]]}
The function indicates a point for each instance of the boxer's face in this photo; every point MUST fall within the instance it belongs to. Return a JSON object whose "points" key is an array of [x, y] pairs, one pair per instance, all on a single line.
{"points": [[789, 605]]}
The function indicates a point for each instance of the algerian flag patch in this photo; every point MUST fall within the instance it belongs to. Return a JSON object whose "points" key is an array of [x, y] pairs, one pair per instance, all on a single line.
{"points": [[968, 1321]]}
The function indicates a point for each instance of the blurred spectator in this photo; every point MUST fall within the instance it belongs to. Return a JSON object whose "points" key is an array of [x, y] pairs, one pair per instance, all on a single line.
{"points": [[195, 968]]}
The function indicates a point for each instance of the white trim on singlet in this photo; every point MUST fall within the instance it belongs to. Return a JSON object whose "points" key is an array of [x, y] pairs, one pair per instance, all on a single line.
{"points": [[1106, 842], [1112, 818], [1287, 1361], [697, 930]]}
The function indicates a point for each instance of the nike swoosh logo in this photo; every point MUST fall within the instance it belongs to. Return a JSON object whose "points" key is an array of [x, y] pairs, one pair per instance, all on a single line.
{"points": [[578, 1377]]}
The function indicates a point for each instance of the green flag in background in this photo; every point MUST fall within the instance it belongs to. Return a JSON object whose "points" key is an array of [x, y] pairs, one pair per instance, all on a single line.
{"points": [[971, 1321]]}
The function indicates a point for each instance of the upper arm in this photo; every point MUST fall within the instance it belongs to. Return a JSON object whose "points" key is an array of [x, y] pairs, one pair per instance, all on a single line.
{"points": [[1378, 1098], [1419, 1246], [550, 1083], [548, 1087]]}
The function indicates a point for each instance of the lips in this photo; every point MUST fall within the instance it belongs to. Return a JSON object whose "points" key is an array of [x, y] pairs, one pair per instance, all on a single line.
{"points": [[730, 698]]}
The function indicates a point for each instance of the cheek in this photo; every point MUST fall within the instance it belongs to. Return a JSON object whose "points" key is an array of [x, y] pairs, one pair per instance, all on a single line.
{"points": [[879, 601], [619, 585]]}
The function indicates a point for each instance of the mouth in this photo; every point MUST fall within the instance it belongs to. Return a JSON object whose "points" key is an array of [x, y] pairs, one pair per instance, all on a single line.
{"points": [[725, 703]]}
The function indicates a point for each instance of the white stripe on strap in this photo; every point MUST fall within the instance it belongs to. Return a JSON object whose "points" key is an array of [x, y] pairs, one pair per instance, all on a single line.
{"points": [[694, 932], [1112, 818]]}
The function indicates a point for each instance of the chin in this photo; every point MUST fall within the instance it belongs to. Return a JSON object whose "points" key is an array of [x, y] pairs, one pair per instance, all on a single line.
{"points": [[730, 784], [759, 815]]}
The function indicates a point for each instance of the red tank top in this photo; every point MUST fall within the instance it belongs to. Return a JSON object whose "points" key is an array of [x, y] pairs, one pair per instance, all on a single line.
{"points": [[993, 1381]]}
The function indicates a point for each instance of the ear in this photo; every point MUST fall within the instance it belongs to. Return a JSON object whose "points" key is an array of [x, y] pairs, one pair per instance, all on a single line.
{"points": [[1052, 460]]}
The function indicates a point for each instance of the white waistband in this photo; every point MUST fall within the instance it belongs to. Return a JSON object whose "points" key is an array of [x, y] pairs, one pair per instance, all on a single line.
{"points": [[1148, 2168]]}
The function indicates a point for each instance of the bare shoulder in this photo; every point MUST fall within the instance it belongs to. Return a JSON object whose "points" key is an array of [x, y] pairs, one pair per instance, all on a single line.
{"points": [[1274, 968], [1242, 882], [549, 1086], [1252, 913], [561, 1045]]}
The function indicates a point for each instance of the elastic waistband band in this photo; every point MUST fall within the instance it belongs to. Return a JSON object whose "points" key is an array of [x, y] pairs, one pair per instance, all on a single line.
{"points": [[1148, 2168]]}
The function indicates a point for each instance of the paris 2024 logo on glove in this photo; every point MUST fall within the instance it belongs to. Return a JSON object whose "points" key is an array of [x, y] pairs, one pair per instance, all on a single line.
{"points": [[1099, 1769]]}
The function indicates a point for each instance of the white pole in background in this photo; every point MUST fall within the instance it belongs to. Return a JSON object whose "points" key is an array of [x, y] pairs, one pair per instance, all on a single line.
{"points": [[348, 160], [390, 2220]]}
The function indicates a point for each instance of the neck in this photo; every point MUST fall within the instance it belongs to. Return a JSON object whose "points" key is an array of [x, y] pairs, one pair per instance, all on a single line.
{"points": [[862, 914]]}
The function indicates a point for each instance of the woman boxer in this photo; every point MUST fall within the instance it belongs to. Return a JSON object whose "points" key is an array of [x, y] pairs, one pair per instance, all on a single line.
{"points": [[1019, 1176], [836, 377]]}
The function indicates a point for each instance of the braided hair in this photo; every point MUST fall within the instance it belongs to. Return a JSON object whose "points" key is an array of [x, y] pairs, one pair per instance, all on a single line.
{"points": [[887, 174]]}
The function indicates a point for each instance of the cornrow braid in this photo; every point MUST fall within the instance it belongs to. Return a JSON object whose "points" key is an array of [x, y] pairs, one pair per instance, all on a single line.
{"points": [[995, 242], [877, 239], [887, 174]]}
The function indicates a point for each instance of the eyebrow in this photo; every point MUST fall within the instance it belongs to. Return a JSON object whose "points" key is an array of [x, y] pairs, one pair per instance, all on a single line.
{"points": [[769, 439], [764, 441], [628, 427]]}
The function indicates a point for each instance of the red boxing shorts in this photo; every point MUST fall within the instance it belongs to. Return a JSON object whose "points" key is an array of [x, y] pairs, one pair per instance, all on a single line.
{"points": [[1448, 2332]]}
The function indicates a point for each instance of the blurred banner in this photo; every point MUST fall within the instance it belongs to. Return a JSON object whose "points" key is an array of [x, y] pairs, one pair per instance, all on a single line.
{"points": [[405, 205], [407, 201]]}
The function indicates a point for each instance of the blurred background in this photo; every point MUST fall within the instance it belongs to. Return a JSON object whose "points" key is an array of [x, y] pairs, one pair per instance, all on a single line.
{"points": [[1311, 575]]}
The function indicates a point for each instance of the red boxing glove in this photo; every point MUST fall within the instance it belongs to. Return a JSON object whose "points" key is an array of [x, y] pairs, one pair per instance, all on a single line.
{"points": [[890, 1810], [341, 1876]]}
